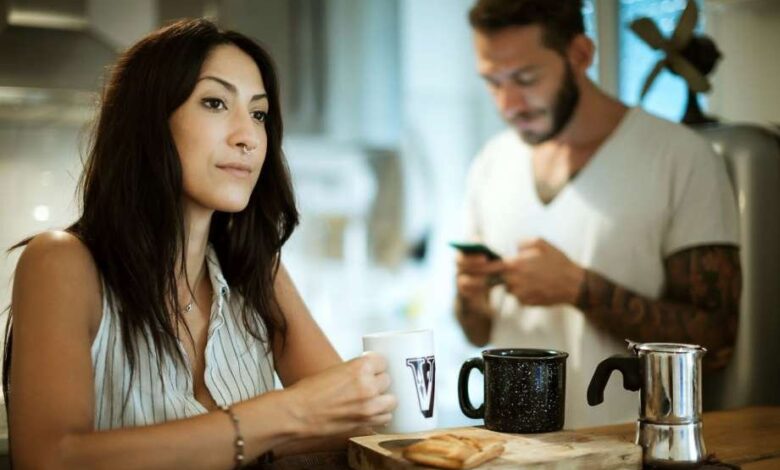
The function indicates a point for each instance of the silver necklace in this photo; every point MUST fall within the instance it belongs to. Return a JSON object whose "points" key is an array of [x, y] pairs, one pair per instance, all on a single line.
{"points": [[188, 308]]}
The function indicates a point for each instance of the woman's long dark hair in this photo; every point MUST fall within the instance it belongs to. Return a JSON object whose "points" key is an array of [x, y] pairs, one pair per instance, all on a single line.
{"points": [[131, 189]]}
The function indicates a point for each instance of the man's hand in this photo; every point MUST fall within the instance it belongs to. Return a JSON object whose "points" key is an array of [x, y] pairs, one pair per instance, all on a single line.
{"points": [[475, 277], [541, 274]]}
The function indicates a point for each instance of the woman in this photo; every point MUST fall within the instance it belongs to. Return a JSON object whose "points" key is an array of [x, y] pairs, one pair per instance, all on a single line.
{"points": [[144, 335]]}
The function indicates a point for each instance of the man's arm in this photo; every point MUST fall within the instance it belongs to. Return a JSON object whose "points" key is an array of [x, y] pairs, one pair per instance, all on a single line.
{"points": [[477, 322], [700, 303]]}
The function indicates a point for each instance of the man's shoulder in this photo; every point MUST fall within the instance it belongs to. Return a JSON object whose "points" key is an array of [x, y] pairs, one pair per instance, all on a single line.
{"points": [[667, 136]]}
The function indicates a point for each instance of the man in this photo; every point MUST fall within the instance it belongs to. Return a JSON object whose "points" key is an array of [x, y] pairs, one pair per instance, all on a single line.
{"points": [[612, 224]]}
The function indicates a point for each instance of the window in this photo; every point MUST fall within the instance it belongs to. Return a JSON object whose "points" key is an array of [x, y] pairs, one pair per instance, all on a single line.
{"points": [[668, 95], [591, 29]]}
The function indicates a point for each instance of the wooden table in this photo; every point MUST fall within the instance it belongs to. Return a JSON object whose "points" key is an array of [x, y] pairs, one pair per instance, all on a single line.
{"points": [[748, 437]]}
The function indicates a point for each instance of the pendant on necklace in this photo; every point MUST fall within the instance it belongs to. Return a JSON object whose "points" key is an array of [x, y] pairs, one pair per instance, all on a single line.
{"points": [[188, 307]]}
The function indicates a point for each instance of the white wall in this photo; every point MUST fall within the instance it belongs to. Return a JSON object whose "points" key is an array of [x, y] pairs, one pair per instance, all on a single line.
{"points": [[746, 84], [445, 115], [39, 167], [122, 23]]}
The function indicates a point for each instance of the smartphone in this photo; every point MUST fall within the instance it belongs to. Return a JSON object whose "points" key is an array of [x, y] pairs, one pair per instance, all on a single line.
{"points": [[471, 248]]}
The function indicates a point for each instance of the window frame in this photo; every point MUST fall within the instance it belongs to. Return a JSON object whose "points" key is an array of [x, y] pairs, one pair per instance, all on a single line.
{"points": [[607, 47]]}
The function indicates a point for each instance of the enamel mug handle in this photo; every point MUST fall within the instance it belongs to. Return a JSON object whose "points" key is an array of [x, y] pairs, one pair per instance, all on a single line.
{"points": [[463, 388]]}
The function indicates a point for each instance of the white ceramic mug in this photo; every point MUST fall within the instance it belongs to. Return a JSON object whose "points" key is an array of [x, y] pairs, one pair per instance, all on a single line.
{"points": [[411, 365]]}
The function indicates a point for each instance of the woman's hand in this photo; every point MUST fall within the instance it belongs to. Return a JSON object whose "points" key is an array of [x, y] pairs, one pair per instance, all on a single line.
{"points": [[344, 397]]}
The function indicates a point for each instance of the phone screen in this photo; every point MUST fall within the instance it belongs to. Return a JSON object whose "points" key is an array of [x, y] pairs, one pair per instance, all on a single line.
{"points": [[470, 248]]}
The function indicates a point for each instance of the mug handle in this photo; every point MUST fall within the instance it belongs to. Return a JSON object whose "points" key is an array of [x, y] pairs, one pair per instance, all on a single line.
{"points": [[463, 388]]}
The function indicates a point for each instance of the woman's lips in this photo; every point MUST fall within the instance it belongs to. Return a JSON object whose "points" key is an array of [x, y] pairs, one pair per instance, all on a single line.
{"points": [[236, 169]]}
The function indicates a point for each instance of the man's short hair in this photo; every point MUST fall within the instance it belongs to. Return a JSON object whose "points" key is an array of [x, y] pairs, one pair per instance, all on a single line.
{"points": [[561, 20]]}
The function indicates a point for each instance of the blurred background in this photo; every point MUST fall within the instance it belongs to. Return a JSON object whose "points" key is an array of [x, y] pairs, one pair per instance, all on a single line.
{"points": [[383, 114]]}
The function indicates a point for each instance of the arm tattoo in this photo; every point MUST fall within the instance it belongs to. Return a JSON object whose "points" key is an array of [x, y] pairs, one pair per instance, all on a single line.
{"points": [[700, 303]]}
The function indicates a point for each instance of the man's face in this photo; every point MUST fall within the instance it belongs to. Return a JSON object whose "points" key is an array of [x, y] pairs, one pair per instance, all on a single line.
{"points": [[533, 86]]}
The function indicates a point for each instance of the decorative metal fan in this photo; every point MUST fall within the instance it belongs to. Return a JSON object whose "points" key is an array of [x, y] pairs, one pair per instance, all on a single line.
{"points": [[688, 55]]}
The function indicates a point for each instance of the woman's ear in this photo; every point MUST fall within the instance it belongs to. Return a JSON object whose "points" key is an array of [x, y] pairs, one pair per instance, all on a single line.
{"points": [[580, 53]]}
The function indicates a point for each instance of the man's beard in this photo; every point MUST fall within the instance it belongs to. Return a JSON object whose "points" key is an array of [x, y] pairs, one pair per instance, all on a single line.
{"points": [[563, 107]]}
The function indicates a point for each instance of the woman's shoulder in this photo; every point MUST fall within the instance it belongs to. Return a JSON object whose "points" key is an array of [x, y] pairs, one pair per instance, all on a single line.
{"points": [[59, 265], [59, 250]]}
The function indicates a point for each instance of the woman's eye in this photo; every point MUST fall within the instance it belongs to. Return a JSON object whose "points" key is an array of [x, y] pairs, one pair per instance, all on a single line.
{"points": [[260, 116], [213, 103]]}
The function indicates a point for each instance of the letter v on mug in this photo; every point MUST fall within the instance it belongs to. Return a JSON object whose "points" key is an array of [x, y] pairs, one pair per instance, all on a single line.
{"points": [[411, 364]]}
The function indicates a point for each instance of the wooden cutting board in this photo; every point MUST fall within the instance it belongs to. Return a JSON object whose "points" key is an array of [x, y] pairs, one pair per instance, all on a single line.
{"points": [[557, 450]]}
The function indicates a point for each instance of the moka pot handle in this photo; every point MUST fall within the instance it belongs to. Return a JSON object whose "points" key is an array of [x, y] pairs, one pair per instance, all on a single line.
{"points": [[628, 365]]}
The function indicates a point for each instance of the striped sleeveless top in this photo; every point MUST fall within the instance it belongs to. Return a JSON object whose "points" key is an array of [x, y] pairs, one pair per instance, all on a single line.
{"points": [[237, 366]]}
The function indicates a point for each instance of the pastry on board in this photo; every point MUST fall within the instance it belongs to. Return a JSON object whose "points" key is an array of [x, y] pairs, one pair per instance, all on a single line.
{"points": [[454, 451]]}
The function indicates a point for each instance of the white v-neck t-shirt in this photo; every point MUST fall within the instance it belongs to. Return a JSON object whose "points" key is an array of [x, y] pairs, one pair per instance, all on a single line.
{"points": [[652, 189]]}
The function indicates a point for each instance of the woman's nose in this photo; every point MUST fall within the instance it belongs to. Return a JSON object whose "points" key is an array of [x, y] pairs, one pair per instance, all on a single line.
{"points": [[244, 135]]}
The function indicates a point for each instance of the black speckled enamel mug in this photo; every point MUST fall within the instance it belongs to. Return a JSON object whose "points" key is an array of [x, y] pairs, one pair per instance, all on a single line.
{"points": [[525, 389]]}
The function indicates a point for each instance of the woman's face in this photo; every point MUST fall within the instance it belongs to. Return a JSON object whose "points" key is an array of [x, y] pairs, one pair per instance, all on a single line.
{"points": [[220, 133]]}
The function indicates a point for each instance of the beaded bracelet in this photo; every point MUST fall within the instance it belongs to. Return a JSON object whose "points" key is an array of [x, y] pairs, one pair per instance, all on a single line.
{"points": [[239, 443]]}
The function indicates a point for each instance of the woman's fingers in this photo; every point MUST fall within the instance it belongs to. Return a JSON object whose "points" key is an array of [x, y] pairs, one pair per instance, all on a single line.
{"points": [[351, 395], [371, 362], [379, 404], [386, 403], [380, 420], [383, 382], [372, 412]]}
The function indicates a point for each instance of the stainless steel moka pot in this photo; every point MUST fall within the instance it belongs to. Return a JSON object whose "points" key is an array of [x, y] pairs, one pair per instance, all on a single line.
{"points": [[668, 376]]}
